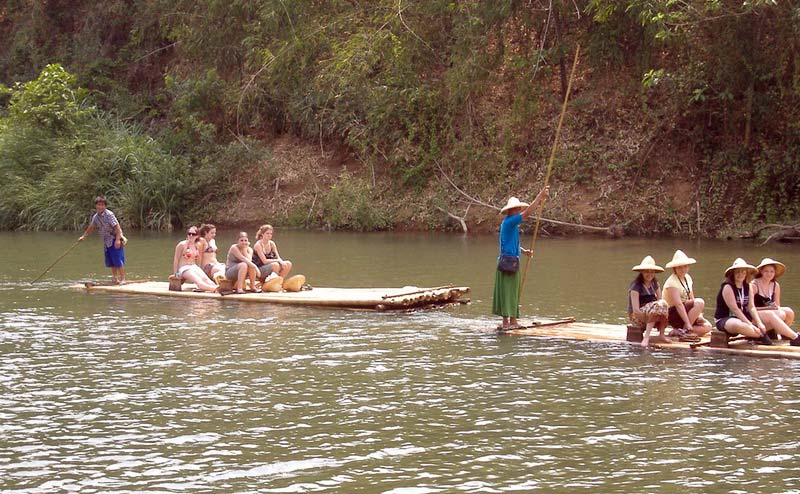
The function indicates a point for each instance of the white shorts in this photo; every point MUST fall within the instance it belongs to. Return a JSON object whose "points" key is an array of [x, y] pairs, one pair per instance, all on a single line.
{"points": [[187, 267]]}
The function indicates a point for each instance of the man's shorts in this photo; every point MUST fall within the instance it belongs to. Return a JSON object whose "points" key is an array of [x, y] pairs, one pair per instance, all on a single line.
{"points": [[115, 258]]}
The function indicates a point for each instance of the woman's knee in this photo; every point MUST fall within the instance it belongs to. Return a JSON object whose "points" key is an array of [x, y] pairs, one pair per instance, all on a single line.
{"points": [[736, 326], [699, 303]]}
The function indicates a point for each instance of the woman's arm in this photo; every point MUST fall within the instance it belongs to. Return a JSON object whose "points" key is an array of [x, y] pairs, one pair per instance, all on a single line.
{"points": [[730, 301], [634, 295], [259, 250], [751, 306], [249, 259], [178, 254], [245, 258], [274, 247], [673, 296], [238, 253], [777, 295]]}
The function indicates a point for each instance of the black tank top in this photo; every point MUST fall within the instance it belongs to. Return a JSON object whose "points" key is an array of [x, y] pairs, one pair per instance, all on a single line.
{"points": [[269, 255], [764, 300], [742, 296]]}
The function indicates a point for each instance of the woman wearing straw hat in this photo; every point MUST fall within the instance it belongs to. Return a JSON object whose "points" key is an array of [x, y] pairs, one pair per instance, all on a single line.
{"points": [[505, 302], [685, 310], [767, 290], [767, 295], [735, 312], [645, 307]]}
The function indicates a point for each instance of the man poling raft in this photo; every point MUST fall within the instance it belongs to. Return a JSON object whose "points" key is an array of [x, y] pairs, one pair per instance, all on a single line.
{"points": [[505, 302], [508, 284], [113, 240]]}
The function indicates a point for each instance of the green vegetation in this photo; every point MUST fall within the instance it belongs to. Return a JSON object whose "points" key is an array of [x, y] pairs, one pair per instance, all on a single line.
{"points": [[169, 106]]}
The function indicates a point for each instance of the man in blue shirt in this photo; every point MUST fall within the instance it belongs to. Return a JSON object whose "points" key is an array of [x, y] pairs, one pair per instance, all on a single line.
{"points": [[505, 300], [113, 240]]}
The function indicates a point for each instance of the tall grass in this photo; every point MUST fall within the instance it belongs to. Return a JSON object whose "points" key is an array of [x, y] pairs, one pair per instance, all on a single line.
{"points": [[48, 180]]}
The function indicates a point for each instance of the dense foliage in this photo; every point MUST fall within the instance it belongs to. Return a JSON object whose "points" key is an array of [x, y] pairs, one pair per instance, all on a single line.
{"points": [[179, 92]]}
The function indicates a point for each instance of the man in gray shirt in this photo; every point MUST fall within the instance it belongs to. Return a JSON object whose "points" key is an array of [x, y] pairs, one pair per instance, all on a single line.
{"points": [[113, 239]]}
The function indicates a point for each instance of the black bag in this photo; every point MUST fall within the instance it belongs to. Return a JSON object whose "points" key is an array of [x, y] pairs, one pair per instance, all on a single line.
{"points": [[508, 264]]}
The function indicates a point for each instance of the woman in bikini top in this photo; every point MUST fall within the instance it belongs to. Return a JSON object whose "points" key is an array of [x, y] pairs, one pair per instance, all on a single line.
{"points": [[208, 259], [184, 264]]}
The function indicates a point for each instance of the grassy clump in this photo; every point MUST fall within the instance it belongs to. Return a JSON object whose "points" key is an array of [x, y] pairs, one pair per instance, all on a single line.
{"points": [[57, 152], [352, 204]]}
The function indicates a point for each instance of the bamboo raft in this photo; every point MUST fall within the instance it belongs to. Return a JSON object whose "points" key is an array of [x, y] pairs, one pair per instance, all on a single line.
{"points": [[378, 299], [571, 330]]}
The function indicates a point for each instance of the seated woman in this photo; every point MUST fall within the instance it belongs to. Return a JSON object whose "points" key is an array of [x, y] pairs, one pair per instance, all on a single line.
{"points": [[266, 257], [767, 296], [239, 265], [735, 312], [184, 264], [685, 310], [767, 299], [208, 252], [645, 307]]}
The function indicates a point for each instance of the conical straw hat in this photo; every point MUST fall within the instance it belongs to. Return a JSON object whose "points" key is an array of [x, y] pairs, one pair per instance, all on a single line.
{"points": [[273, 285], [648, 264], [294, 283], [780, 267], [680, 259], [740, 263], [513, 203]]}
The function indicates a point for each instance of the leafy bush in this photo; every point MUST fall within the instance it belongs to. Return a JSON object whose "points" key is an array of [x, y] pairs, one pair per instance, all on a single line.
{"points": [[51, 100], [56, 155], [352, 204]]}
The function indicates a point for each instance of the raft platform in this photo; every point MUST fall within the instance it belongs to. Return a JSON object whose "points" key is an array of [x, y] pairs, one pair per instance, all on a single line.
{"points": [[378, 299], [571, 330]]}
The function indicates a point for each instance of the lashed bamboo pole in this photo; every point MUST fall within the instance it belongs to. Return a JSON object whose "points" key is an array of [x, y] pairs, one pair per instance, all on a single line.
{"points": [[549, 168]]}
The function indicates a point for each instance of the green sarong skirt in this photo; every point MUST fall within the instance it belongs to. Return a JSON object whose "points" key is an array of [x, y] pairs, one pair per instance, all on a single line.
{"points": [[506, 294]]}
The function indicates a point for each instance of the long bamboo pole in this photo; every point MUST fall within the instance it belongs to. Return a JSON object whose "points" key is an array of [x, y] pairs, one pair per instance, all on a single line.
{"points": [[56, 261], [549, 168]]}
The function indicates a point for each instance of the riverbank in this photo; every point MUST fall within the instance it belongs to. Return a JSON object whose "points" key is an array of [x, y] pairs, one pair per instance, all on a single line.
{"points": [[352, 118]]}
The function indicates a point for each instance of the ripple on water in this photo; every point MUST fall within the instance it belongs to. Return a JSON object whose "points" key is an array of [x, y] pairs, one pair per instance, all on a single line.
{"points": [[268, 400]]}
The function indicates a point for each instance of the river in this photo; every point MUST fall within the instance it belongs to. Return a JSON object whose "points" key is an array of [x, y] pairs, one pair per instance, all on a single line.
{"points": [[105, 393]]}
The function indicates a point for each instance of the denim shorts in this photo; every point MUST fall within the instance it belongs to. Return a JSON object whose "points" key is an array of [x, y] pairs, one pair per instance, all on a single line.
{"points": [[115, 258]]}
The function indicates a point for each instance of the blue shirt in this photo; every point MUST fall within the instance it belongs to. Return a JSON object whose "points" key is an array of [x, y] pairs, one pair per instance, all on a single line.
{"points": [[509, 235]]}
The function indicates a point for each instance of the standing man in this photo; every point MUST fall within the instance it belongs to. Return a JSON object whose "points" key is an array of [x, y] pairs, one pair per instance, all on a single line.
{"points": [[113, 239], [505, 301]]}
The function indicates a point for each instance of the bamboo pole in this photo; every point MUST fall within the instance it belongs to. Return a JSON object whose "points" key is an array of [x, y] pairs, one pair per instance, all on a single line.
{"points": [[549, 168], [56, 261]]}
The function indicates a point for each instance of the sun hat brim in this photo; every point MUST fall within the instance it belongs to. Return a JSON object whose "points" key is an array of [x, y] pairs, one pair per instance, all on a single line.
{"points": [[751, 270], [681, 262], [514, 203], [648, 264], [780, 267], [648, 267]]}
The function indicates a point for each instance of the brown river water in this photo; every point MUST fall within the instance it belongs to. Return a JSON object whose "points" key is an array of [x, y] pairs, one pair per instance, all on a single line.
{"points": [[109, 393]]}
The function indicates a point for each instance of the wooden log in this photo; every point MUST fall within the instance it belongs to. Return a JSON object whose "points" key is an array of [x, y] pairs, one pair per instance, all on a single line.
{"points": [[423, 290], [635, 333], [175, 283], [719, 339]]}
